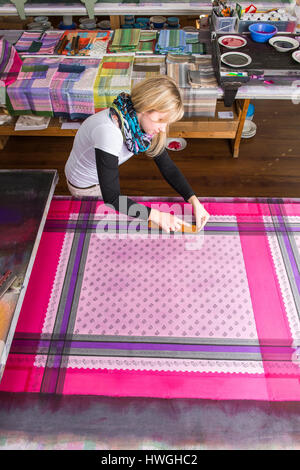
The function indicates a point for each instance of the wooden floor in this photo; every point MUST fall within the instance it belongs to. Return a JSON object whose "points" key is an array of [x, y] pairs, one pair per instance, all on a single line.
{"points": [[268, 165]]}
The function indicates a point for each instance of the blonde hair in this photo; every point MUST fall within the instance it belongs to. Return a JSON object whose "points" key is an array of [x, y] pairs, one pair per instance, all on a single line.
{"points": [[158, 94]]}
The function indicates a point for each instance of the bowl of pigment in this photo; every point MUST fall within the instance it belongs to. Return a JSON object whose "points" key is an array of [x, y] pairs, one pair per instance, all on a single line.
{"points": [[262, 32]]}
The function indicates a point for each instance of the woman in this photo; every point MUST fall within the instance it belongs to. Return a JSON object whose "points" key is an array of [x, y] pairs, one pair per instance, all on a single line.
{"points": [[134, 123]]}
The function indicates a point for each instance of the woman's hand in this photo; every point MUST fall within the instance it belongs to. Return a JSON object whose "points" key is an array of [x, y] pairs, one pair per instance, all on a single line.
{"points": [[201, 215], [166, 221]]}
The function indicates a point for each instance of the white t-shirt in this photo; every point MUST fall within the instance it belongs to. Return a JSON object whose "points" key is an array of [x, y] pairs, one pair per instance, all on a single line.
{"points": [[97, 131]]}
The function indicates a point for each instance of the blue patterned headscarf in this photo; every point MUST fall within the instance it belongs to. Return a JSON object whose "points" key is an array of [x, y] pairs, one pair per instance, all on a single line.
{"points": [[135, 139]]}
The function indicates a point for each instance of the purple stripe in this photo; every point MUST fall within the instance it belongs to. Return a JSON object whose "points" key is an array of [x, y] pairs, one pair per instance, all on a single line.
{"points": [[182, 347], [59, 225], [163, 347], [33, 346], [73, 279]]}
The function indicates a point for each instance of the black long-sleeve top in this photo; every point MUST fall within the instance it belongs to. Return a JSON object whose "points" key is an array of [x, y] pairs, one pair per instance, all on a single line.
{"points": [[108, 174]]}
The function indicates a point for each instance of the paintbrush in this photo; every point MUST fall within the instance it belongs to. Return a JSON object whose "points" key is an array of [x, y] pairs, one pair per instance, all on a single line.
{"points": [[77, 44]]}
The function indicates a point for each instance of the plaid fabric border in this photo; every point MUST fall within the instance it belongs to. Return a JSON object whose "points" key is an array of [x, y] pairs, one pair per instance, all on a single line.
{"points": [[25, 41], [171, 41]]}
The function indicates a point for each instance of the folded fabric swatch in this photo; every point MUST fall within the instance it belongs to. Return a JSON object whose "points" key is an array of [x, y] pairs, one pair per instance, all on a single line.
{"points": [[30, 93], [86, 42], [26, 40], [38, 42], [125, 40], [179, 42], [70, 68], [147, 42], [171, 41], [147, 35], [197, 83], [26, 123]]}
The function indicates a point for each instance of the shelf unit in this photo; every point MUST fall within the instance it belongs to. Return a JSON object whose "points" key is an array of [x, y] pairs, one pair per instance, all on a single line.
{"points": [[187, 128], [206, 128]]}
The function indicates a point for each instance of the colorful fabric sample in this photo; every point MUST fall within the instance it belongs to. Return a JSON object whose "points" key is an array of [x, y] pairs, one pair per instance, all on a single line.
{"points": [[87, 40], [201, 98], [113, 78], [179, 42], [26, 40], [72, 88], [171, 40], [125, 40], [30, 93]]}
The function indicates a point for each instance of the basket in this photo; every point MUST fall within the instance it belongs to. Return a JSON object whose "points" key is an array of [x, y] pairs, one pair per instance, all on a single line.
{"points": [[224, 24]]}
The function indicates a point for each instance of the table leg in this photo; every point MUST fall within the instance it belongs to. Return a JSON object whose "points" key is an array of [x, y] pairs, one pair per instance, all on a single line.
{"points": [[242, 116], [3, 141]]}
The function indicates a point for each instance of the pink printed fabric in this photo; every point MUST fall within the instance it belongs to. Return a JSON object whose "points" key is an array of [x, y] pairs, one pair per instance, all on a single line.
{"points": [[124, 310]]}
